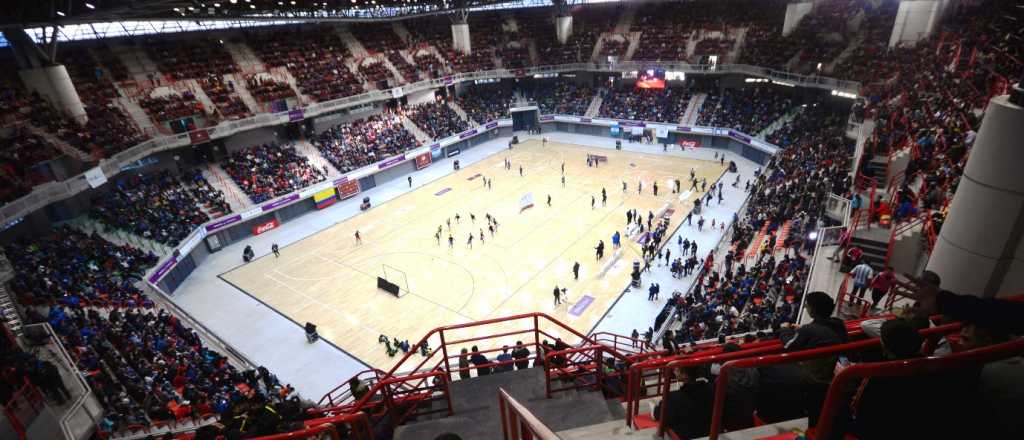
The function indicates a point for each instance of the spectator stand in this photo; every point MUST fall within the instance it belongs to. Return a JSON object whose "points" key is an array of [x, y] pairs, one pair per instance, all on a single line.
{"points": [[176, 109], [271, 93]]}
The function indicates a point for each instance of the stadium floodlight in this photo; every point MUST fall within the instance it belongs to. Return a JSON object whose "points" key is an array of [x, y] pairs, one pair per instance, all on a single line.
{"points": [[90, 6], [60, 13]]}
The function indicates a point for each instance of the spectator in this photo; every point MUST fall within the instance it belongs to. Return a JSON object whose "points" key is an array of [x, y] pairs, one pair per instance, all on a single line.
{"points": [[688, 409]]}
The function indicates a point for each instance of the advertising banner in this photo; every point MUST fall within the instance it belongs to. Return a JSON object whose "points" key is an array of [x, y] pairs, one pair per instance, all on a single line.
{"points": [[264, 227], [348, 189], [423, 161]]}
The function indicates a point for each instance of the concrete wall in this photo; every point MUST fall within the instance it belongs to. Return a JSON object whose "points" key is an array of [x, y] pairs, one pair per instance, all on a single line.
{"points": [[460, 38], [420, 97], [915, 21], [254, 137], [794, 13]]}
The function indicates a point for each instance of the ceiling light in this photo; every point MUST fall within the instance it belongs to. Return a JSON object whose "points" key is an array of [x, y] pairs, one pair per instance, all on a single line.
{"points": [[252, 6], [216, 5], [177, 9], [60, 13], [234, 1], [90, 6]]}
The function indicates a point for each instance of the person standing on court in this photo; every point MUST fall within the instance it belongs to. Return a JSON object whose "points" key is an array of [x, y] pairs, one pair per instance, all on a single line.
{"points": [[592, 202], [558, 296], [604, 197], [600, 249], [410, 181], [616, 240], [576, 270], [275, 250], [359, 239], [655, 188], [520, 171]]}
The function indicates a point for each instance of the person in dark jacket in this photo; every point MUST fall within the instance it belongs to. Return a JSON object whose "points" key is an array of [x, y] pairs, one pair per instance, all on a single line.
{"points": [[688, 409], [464, 364], [480, 361], [822, 331], [521, 355]]}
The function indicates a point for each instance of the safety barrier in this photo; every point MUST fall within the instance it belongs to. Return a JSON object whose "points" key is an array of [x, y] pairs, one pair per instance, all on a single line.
{"points": [[397, 397], [518, 423], [24, 405]]}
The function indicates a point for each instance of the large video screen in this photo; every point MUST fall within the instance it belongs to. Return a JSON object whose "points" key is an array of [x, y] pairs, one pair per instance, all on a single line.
{"points": [[651, 79]]}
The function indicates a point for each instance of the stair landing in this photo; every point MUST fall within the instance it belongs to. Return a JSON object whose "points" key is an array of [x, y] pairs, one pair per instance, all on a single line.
{"points": [[475, 404]]}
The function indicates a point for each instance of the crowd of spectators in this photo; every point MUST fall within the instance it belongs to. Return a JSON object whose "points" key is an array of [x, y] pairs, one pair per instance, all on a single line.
{"points": [[514, 55], [714, 46], [429, 64], [561, 97], [485, 103], [764, 46], [173, 107], [93, 84], [21, 153], [748, 110], [159, 206], [482, 58], [374, 71], [108, 130], [21, 367], [733, 297], [357, 144], [267, 89], [614, 47], [876, 29], [190, 58], [270, 170], [377, 37], [437, 119], [407, 70], [222, 94], [315, 57], [659, 105], [143, 364]]}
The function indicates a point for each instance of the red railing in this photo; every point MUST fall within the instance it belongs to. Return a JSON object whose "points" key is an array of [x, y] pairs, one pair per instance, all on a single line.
{"points": [[722, 381], [518, 423], [23, 407], [358, 425], [901, 228], [837, 390], [409, 394]]}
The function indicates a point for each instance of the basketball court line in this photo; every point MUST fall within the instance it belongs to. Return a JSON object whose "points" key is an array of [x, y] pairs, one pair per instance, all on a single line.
{"points": [[404, 232]]}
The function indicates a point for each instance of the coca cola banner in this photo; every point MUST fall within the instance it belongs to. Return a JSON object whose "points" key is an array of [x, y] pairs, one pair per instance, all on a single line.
{"points": [[264, 227]]}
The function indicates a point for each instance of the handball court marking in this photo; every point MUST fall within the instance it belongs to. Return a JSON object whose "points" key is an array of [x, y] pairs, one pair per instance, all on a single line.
{"points": [[328, 279]]}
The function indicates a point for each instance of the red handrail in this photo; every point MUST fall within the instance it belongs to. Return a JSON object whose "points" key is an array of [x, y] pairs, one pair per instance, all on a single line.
{"points": [[721, 383], [518, 423], [443, 364], [836, 395]]}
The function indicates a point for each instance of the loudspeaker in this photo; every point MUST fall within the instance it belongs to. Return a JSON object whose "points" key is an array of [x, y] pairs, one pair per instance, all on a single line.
{"points": [[388, 286]]}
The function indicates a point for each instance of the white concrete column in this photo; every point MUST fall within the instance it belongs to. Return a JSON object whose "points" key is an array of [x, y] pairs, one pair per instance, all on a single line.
{"points": [[916, 20], [460, 38], [563, 28], [54, 85], [980, 250], [794, 13]]}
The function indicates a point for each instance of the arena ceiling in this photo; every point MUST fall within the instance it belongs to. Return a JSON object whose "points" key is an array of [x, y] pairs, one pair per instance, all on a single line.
{"points": [[38, 13]]}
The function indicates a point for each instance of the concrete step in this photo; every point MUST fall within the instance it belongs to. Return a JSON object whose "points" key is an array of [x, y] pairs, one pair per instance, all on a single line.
{"points": [[354, 46], [462, 113], [243, 92], [233, 194], [246, 59], [634, 43], [61, 145], [595, 106], [307, 149], [613, 430], [420, 135]]}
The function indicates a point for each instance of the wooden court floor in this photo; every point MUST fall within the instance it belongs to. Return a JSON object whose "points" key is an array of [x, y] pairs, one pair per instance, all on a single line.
{"points": [[330, 280]]}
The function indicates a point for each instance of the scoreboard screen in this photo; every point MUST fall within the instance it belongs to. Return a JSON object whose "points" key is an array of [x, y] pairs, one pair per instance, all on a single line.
{"points": [[651, 79]]}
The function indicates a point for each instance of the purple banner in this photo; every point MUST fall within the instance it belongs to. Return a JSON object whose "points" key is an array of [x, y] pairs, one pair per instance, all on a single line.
{"points": [[223, 222], [448, 80], [547, 118], [391, 162], [632, 124], [585, 120], [162, 270], [581, 305], [467, 134], [739, 136], [343, 179], [682, 128], [296, 114], [435, 147], [491, 125], [442, 191], [280, 202]]}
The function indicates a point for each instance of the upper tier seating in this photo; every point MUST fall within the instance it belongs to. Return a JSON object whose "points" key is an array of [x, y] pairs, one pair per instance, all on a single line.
{"points": [[316, 58], [192, 58], [21, 151], [748, 110]]}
